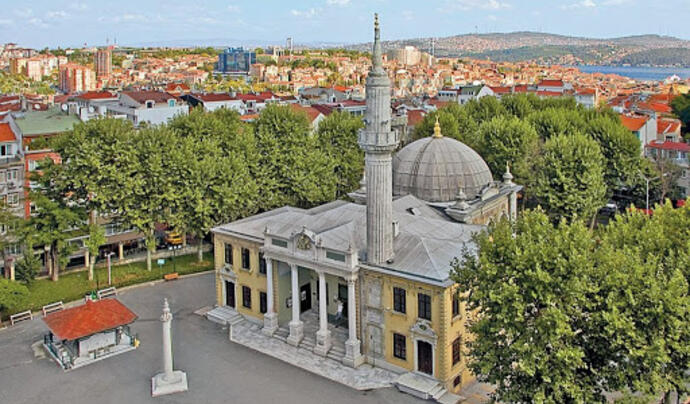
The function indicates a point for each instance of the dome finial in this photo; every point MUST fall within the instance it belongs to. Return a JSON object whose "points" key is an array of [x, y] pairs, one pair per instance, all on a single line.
{"points": [[507, 176], [437, 129]]}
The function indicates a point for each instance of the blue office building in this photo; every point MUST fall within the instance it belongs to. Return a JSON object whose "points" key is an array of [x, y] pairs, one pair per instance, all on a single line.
{"points": [[236, 60]]}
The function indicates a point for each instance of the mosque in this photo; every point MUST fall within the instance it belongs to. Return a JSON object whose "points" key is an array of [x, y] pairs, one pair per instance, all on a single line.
{"points": [[369, 280]]}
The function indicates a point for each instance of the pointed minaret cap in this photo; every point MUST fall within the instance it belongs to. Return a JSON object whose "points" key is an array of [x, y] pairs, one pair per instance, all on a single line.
{"points": [[507, 176], [377, 54], [437, 129], [461, 200]]}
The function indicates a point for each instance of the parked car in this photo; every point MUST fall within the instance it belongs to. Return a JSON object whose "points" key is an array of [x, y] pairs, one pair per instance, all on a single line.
{"points": [[173, 238]]}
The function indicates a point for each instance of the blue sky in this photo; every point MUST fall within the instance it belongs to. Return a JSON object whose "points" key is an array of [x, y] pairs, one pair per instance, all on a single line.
{"points": [[41, 23]]}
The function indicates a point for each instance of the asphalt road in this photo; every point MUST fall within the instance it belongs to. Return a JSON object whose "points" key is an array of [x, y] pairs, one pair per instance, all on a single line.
{"points": [[218, 370]]}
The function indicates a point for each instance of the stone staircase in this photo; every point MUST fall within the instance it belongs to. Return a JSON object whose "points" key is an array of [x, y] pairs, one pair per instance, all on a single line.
{"points": [[426, 388], [224, 315], [336, 353]]}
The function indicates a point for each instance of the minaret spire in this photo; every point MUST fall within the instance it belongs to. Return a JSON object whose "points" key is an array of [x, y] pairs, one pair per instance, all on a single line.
{"points": [[378, 142]]}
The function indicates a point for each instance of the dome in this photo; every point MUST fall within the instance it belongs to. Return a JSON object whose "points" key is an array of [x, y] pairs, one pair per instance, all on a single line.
{"points": [[434, 168]]}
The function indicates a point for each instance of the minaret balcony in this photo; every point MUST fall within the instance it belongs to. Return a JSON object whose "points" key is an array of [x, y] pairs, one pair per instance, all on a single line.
{"points": [[377, 141]]}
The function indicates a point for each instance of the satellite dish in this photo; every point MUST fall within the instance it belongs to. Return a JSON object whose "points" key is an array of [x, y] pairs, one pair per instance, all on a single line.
{"points": [[64, 107], [37, 106], [91, 110]]}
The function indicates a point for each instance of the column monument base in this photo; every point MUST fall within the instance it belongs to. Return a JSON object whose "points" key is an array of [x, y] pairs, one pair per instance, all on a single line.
{"points": [[353, 353], [296, 333], [270, 324], [160, 386], [323, 342]]}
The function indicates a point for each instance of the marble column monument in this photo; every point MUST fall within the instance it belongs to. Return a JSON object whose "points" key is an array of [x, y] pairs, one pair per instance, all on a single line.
{"points": [[170, 381]]}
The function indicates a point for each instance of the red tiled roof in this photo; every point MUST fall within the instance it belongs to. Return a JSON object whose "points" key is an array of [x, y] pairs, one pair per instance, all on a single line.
{"points": [[522, 88], [6, 133], [175, 86], [501, 90], [653, 106], [213, 97], [324, 109], [669, 145], [96, 95], [551, 83], [667, 126], [586, 91], [342, 89], [143, 96], [633, 123], [89, 319], [311, 112], [249, 117]]}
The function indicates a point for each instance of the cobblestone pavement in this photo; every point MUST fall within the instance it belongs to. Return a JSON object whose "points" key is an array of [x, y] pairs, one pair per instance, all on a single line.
{"points": [[219, 371]]}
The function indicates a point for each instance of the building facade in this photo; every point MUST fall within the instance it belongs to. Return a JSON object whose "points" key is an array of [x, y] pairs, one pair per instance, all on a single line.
{"points": [[103, 62], [236, 60], [370, 281], [75, 78]]}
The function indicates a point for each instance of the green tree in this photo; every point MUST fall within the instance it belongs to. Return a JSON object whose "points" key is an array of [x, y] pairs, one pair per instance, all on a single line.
{"points": [[301, 172], [455, 122], [212, 177], [28, 266], [92, 243], [518, 105], [337, 137], [509, 140], [57, 214], [681, 108], [552, 122], [485, 109], [620, 148], [12, 295], [569, 177]]}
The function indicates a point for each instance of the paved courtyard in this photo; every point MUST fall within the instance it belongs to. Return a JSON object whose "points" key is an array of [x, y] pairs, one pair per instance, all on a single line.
{"points": [[219, 371]]}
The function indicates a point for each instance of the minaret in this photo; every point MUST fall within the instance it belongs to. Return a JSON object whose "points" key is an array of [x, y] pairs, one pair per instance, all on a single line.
{"points": [[378, 142]]}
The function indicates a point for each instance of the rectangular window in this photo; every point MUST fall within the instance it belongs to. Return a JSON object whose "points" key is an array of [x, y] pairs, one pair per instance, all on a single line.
{"points": [[2, 177], [279, 243], [456, 305], [12, 175], [4, 150], [335, 256], [13, 199], [228, 254], [245, 258], [262, 264], [262, 302], [399, 346], [399, 303], [246, 297], [456, 350], [424, 306]]}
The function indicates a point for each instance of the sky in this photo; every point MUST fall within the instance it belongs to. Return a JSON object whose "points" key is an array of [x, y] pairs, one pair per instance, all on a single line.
{"points": [[52, 23]]}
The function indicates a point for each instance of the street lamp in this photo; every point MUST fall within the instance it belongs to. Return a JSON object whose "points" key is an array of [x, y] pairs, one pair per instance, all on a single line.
{"points": [[647, 180], [110, 276], [174, 249]]}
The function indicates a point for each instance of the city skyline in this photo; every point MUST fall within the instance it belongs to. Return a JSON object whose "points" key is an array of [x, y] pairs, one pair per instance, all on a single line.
{"points": [[72, 23]]}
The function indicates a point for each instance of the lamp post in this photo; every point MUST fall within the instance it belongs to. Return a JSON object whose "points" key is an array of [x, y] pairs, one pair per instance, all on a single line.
{"points": [[174, 249], [110, 275]]}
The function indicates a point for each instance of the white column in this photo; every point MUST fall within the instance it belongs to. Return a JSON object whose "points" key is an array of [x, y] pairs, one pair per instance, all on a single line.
{"points": [[270, 317], [296, 326], [170, 381], [323, 336], [353, 355]]}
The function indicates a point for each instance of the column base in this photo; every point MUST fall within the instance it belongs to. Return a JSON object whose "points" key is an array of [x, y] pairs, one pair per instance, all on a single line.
{"points": [[323, 342], [296, 333], [160, 386], [270, 324], [353, 353]]}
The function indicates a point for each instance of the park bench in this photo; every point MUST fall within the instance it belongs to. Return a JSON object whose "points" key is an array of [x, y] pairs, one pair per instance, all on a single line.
{"points": [[52, 308], [171, 277], [106, 293], [23, 316]]}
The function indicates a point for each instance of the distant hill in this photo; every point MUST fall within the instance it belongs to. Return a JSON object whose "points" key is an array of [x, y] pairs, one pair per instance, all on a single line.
{"points": [[551, 48]]}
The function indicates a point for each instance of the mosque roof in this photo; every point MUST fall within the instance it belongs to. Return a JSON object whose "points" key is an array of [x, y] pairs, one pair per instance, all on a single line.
{"points": [[427, 243]]}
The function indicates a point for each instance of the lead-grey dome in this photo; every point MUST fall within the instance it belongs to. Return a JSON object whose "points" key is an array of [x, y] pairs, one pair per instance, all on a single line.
{"points": [[434, 168]]}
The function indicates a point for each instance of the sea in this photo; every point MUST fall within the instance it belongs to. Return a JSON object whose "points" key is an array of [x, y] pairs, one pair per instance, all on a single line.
{"points": [[638, 73]]}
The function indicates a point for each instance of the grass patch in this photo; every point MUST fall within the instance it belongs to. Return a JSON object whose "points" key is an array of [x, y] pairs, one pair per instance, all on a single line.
{"points": [[75, 285]]}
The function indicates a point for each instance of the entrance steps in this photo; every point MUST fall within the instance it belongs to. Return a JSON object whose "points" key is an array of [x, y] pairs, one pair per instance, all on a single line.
{"points": [[425, 388], [224, 315], [336, 353]]}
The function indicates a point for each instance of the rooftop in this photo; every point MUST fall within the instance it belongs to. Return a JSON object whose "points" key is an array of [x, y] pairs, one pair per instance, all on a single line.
{"points": [[88, 319], [6, 133], [51, 121]]}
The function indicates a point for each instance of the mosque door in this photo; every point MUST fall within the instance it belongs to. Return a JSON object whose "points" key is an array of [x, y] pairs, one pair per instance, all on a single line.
{"points": [[230, 294], [305, 297], [424, 359]]}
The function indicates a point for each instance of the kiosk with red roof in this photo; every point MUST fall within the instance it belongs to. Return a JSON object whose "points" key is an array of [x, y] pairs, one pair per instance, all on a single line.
{"points": [[88, 333]]}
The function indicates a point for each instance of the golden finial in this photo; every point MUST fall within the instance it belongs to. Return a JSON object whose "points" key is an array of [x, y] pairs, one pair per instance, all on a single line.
{"points": [[437, 129]]}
